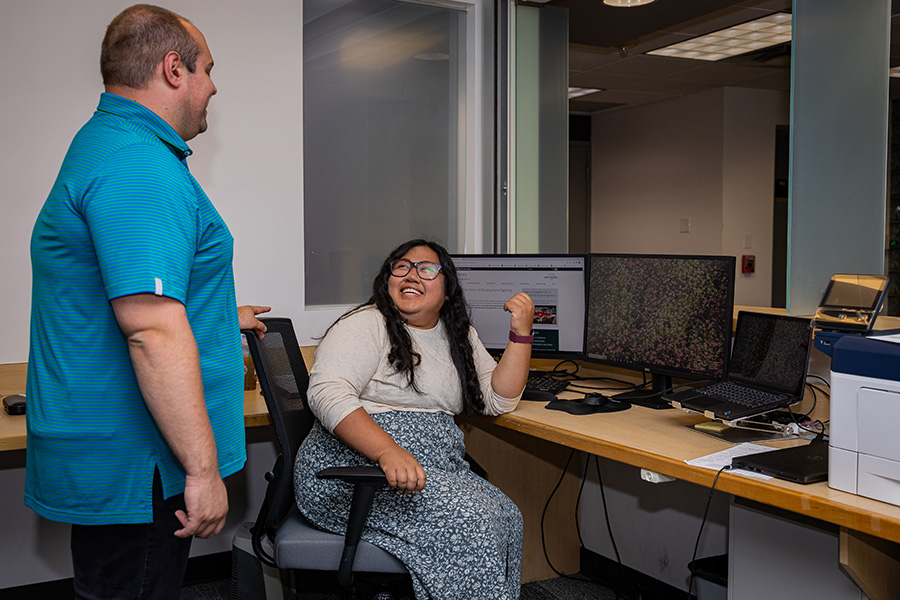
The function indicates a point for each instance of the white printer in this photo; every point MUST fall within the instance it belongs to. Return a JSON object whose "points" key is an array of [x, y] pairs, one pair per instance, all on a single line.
{"points": [[864, 452]]}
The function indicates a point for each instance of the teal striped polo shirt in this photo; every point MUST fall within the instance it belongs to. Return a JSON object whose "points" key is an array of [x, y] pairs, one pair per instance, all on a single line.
{"points": [[125, 216]]}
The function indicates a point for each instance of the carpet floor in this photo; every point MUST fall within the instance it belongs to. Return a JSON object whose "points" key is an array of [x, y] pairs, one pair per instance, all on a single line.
{"points": [[549, 589]]}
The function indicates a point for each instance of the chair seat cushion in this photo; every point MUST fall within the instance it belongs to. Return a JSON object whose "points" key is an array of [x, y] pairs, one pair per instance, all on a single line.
{"points": [[300, 545]]}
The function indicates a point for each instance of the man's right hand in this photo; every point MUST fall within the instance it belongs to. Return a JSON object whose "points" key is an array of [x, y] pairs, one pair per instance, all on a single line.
{"points": [[206, 501]]}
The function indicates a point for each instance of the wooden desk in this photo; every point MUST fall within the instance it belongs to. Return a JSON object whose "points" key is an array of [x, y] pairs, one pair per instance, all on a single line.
{"points": [[660, 441], [12, 428], [534, 441]]}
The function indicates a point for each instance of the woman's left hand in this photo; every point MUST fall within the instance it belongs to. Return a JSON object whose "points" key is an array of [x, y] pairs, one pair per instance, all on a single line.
{"points": [[521, 308]]}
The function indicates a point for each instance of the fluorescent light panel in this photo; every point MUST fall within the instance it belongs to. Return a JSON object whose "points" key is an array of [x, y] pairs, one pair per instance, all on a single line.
{"points": [[753, 35], [575, 92], [627, 3]]}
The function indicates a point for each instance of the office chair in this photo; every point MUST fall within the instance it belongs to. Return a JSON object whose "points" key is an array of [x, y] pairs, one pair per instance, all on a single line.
{"points": [[295, 544]]}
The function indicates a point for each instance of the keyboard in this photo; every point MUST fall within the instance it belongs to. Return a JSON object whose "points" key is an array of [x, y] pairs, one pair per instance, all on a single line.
{"points": [[739, 394], [546, 383]]}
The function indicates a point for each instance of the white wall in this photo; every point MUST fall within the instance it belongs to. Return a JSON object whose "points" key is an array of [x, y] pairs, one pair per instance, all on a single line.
{"points": [[748, 185], [708, 157], [249, 162], [652, 166]]}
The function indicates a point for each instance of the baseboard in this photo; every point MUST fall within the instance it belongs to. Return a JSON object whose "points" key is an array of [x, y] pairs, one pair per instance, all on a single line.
{"points": [[200, 569], [626, 581]]}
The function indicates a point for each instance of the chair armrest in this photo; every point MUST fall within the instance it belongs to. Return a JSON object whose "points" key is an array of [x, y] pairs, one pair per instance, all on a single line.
{"points": [[366, 481], [355, 475]]}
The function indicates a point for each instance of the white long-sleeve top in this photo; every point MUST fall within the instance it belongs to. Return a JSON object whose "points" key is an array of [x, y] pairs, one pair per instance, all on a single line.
{"points": [[351, 370]]}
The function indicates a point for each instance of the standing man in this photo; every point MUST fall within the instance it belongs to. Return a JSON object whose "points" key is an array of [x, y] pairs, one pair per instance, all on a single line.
{"points": [[135, 372]]}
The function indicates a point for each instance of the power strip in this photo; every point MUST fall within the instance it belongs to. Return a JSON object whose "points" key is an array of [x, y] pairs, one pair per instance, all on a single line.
{"points": [[654, 477]]}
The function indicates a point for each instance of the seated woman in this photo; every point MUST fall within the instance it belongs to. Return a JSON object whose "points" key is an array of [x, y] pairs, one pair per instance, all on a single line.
{"points": [[388, 377]]}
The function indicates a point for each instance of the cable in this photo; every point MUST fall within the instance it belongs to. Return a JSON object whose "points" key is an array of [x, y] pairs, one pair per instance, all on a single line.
{"points": [[822, 379], [702, 523], [584, 388], [561, 363], [606, 511], [544, 514], [578, 577]]}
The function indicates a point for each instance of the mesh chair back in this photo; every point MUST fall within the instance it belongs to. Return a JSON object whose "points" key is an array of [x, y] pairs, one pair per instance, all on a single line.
{"points": [[283, 379]]}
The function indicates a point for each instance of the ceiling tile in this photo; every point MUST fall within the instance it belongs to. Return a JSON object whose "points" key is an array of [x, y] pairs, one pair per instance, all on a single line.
{"points": [[594, 79], [647, 66], [779, 80]]}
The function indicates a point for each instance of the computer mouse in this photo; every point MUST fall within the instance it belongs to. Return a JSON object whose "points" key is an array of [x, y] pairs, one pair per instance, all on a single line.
{"points": [[594, 399]]}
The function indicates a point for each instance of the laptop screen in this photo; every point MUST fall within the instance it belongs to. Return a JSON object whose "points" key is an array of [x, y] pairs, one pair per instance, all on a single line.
{"points": [[771, 352]]}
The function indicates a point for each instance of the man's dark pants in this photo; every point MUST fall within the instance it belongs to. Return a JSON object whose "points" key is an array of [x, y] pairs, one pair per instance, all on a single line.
{"points": [[138, 562]]}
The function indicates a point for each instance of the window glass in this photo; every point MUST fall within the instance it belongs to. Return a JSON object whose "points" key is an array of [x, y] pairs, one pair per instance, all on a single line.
{"points": [[384, 125]]}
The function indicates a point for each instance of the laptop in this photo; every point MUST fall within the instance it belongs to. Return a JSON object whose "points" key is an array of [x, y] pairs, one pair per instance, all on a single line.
{"points": [[767, 370], [801, 464]]}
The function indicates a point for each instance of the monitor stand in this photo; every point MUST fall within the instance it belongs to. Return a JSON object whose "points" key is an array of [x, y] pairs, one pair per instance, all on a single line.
{"points": [[650, 398]]}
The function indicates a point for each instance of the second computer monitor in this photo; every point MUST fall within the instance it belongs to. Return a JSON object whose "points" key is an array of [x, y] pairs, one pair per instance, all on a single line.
{"points": [[556, 284], [666, 315]]}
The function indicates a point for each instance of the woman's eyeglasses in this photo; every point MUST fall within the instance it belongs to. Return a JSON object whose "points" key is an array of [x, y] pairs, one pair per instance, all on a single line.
{"points": [[426, 269]]}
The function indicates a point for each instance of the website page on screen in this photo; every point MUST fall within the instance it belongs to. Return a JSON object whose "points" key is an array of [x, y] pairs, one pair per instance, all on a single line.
{"points": [[555, 284]]}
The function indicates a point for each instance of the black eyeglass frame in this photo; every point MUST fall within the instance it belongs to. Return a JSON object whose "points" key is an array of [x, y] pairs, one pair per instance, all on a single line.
{"points": [[409, 265]]}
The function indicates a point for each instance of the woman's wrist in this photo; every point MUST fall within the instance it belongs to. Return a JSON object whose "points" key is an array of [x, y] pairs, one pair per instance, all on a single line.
{"points": [[521, 339]]}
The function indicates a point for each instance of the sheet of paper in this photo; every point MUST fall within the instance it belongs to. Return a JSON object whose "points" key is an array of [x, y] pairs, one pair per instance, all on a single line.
{"points": [[890, 337], [718, 460]]}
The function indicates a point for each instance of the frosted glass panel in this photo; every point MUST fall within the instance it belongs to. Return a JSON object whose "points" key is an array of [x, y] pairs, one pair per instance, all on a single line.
{"points": [[542, 129], [839, 121], [383, 90]]}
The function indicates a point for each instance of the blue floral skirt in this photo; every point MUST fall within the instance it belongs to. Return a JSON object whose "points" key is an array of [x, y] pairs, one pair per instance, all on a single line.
{"points": [[460, 537]]}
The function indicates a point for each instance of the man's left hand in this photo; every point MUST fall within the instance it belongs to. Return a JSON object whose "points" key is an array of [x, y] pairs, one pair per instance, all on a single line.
{"points": [[247, 318], [206, 503]]}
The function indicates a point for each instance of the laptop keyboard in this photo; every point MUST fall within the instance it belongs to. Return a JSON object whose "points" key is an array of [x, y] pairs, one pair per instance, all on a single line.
{"points": [[739, 394], [546, 383]]}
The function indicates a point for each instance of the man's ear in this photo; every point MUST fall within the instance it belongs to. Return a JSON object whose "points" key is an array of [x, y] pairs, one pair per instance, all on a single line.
{"points": [[173, 68]]}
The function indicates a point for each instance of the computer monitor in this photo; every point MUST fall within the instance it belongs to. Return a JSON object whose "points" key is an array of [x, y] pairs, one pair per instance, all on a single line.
{"points": [[665, 315], [556, 284]]}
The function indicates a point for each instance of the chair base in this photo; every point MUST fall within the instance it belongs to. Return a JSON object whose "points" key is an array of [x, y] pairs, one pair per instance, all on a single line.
{"points": [[250, 579]]}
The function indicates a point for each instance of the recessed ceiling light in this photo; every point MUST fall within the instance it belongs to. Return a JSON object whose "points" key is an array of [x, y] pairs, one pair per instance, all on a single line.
{"points": [[575, 92], [627, 3], [738, 39]]}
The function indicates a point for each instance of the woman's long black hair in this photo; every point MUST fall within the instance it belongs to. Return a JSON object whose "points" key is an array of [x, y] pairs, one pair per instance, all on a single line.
{"points": [[454, 314]]}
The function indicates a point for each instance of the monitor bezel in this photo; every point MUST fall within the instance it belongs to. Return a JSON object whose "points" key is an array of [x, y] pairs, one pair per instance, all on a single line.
{"points": [[560, 354], [664, 371]]}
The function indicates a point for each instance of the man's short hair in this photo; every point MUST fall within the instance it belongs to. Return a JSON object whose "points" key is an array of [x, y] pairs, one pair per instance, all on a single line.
{"points": [[138, 39]]}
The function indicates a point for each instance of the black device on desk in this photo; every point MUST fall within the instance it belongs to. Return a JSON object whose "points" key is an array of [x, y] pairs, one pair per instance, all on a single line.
{"points": [[665, 315], [590, 404], [543, 387], [800, 464], [15, 404]]}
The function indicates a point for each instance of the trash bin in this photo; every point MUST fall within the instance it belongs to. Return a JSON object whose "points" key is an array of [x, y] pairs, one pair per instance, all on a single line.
{"points": [[710, 577]]}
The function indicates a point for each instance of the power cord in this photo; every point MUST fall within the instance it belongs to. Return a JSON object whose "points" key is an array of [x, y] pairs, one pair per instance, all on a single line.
{"points": [[702, 523], [578, 527], [544, 515], [612, 539]]}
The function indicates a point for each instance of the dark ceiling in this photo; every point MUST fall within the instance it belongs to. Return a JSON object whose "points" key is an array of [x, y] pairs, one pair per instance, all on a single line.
{"points": [[607, 46]]}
